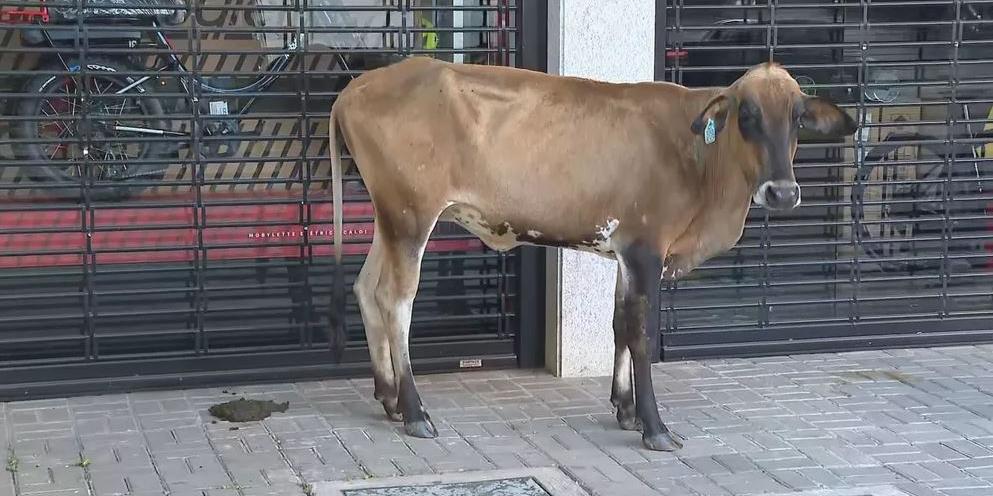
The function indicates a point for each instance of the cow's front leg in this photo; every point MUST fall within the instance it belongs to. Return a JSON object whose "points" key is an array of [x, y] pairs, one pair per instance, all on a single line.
{"points": [[642, 268], [621, 391]]}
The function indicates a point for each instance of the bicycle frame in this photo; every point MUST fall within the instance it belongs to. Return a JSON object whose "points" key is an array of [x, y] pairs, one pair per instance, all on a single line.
{"points": [[190, 83]]}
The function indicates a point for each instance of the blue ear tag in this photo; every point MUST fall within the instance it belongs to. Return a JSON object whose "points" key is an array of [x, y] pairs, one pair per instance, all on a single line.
{"points": [[710, 132]]}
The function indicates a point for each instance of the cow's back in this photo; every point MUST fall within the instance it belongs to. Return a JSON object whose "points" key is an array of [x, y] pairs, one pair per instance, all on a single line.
{"points": [[422, 120], [414, 74]]}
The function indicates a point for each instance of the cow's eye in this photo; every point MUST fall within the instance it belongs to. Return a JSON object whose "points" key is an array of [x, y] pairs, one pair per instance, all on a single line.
{"points": [[749, 121], [745, 114]]}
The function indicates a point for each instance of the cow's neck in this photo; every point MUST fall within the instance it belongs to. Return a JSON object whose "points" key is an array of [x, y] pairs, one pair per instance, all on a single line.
{"points": [[726, 176]]}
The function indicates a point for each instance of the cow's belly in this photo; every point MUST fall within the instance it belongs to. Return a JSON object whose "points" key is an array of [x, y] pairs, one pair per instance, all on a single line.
{"points": [[505, 236]]}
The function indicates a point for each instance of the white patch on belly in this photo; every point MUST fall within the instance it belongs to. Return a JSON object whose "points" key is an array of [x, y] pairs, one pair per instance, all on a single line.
{"points": [[534, 234], [603, 244], [605, 231]]}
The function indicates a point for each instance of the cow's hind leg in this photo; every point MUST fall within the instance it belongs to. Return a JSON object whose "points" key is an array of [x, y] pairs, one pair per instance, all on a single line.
{"points": [[394, 296], [621, 391], [642, 269], [375, 329]]}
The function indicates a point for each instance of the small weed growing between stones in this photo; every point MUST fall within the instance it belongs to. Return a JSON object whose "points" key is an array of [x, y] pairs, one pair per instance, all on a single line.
{"points": [[308, 490], [12, 464]]}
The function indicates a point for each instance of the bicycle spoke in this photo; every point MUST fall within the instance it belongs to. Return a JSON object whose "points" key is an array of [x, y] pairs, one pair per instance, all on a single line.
{"points": [[96, 84], [56, 121], [59, 146], [104, 170], [99, 149], [124, 165], [75, 102], [54, 110]]}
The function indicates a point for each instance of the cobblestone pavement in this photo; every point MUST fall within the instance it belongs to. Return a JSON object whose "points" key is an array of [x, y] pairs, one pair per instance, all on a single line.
{"points": [[920, 420]]}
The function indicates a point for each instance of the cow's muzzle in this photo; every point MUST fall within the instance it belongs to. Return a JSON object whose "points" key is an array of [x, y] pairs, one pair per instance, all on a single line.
{"points": [[778, 195]]}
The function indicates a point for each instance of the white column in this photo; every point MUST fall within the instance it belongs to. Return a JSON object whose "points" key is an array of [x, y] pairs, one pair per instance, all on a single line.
{"points": [[609, 40], [458, 37]]}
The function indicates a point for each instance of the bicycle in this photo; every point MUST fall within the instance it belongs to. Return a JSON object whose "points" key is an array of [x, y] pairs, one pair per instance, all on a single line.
{"points": [[122, 111], [939, 211]]}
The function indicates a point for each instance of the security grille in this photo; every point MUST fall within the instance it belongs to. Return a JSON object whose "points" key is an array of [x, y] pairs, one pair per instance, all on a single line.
{"points": [[165, 203], [892, 243]]}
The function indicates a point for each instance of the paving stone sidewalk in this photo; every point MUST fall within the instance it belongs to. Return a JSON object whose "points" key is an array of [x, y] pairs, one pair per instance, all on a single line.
{"points": [[919, 419]]}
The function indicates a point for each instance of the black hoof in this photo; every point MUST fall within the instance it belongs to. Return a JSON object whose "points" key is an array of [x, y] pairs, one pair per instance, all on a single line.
{"points": [[663, 441], [421, 428]]}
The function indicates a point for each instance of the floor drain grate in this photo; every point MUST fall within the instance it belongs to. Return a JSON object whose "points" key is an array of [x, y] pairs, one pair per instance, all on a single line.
{"points": [[514, 482], [525, 486]]}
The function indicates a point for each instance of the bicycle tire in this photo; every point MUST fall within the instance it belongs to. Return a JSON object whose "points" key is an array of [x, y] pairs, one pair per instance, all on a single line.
{"points": [[114, 70]]}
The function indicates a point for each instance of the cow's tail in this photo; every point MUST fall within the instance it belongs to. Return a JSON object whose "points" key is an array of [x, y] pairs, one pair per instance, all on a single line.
{"points": [[338, 338]]}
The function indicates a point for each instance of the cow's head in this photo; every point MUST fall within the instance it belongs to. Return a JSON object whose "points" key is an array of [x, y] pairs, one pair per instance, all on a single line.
{"points": [[766, 109]]}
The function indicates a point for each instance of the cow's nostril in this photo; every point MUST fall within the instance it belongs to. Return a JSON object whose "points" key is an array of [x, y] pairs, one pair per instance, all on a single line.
{"points": [[782, 195], [773, 195]]}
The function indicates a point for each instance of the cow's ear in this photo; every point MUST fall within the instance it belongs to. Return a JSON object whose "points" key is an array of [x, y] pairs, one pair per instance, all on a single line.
{"points": [[824, 117], [715, 111]]}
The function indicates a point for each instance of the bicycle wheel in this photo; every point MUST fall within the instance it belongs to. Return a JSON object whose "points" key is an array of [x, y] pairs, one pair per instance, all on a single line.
{"points": [[55, 131], [901, 215]]}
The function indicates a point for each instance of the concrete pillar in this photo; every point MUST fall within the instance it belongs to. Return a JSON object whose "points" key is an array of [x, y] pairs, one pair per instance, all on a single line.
{"points": [[609, 40]]}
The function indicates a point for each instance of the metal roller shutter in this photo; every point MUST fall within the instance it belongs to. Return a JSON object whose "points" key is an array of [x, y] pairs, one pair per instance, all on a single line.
{"points": [[191, 243], [892, 243]]}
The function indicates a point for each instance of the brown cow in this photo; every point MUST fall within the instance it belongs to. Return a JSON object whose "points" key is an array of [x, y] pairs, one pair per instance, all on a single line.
{"points": [[654, 175]]}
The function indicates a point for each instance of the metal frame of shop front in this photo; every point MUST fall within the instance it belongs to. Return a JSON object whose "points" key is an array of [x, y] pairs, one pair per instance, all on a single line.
{"points": [[165, 201], [892, 245]]}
